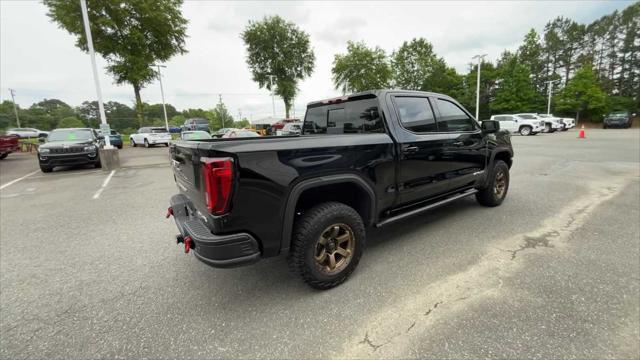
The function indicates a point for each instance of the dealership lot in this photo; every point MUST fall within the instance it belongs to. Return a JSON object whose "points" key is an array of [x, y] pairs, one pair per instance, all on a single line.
{"points": [[553, 272]]}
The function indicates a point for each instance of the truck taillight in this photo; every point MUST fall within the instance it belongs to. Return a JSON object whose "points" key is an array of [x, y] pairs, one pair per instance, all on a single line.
{"points": [[218, 183]]}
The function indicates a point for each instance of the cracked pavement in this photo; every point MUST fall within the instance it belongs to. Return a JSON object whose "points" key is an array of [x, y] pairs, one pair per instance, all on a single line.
{"points": [[552, 273]]}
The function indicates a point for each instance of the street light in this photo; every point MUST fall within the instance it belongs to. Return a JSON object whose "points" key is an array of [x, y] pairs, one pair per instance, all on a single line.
{"points": [[106, 131], [15, 108], [273, 100], [479, 57], [164, 107], [550, 87]]}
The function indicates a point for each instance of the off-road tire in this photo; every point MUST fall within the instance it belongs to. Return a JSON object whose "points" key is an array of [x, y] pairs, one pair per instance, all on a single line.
{"points": [[488, 196], [309, 228], [46, 169]]}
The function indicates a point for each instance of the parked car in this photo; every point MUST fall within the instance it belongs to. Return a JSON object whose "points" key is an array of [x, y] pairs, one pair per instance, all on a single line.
{"points": [[8, 144], [115, 139], [195, 135], [196, 124], [279, 125], [376, 157], [620, 119], [73, 146], [241, 133], [550, 124], [27, 132], [294, 128], [149, 136], [516, 124], [570, 123], [550, 117], [222, 131]]}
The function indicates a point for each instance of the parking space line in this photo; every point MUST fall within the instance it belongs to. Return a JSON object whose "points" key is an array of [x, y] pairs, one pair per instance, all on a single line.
{"points": [[16, 180], [104, 185]]}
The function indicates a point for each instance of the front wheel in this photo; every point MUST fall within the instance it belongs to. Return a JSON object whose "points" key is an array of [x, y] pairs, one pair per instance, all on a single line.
{"points": [[46, 169], [327, 244], [525, 130], [146, 143], [132, 143], [496, 190], [2, 156]]}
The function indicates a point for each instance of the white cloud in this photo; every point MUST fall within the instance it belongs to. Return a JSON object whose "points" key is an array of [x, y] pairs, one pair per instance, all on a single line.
{"points": [[40, 60]]}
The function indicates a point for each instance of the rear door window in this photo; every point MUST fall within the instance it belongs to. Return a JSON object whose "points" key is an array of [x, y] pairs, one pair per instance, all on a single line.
{"points": [[416, 114], [452, 118], [355, 116]]}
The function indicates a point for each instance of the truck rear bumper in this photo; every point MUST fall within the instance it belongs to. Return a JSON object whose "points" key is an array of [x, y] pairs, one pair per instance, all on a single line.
{"points": [[222, 251]]}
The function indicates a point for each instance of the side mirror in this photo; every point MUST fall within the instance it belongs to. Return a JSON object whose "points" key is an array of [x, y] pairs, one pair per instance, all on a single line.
{"points": [[41, 140], [490, 126]]}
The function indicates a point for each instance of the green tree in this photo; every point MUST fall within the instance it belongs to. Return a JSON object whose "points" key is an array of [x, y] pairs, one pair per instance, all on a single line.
{"points": [[583, 95], [221, 117], [413, 63], [487, 88], [361, 68], [515, 91], [278, 48], [530, 55], [119, 116], [130, 35], [71, 122]]}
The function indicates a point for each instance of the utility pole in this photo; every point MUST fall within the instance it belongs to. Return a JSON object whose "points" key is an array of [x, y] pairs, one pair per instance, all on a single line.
{"points": [[15, 108], [273, 100], [164, 107], [221, 114], [480, 58], [550, 88], [103, 118]]}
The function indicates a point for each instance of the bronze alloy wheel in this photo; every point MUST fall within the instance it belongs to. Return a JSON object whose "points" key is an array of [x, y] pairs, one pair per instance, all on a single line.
{"points": [[334, 249], [500, 184]]}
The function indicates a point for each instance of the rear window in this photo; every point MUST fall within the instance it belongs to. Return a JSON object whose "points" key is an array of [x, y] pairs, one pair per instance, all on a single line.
{"points": [[158, 130], [201, 121], [356, 116]]}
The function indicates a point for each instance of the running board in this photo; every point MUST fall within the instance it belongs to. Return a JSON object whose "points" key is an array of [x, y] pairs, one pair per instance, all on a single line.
{"points": [[425, 208]]}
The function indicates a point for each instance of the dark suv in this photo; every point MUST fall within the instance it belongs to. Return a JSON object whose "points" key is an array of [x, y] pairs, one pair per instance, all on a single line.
{"points": [[196, 124], [65, 147], [620, 119]]}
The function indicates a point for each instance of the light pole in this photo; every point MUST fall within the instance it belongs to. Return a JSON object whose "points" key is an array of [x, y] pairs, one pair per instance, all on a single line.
{"points": [[479, 57], [273, 100], [103, 118], [164, 107], [550, 87], [15, 108], [222, 115]]}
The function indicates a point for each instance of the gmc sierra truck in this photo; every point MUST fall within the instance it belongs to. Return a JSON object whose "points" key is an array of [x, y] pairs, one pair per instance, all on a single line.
{"points": [[363, 160]]}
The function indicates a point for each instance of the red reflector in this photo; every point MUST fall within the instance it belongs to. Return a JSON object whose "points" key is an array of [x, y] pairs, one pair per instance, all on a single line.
{"points": [[218, 183]]}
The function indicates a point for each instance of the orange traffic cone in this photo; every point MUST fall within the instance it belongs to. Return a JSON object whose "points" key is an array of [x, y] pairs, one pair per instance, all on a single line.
{"points": [[581, 135]]}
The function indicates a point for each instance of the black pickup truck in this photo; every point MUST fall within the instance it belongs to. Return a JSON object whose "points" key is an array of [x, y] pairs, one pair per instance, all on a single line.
{"points": [[363, 160]]}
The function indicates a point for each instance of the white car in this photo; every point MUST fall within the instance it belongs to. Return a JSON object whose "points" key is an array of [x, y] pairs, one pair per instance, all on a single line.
{"points": [[292, 128], [149, 136], [551, 124], [569, 123], [516, 124], [562, 121], [27, 132]]}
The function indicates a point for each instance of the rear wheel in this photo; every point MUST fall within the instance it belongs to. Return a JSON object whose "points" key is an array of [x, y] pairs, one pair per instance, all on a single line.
{"points": [[2, 156], [497, 188], [327, 244], [525, 130]]}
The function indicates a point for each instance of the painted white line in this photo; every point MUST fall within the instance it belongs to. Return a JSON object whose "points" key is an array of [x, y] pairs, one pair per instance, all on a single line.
{"points": [[104, 185], [18, 179]]}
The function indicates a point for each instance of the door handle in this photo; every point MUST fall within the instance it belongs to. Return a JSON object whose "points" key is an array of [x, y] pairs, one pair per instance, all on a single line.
{"points": [[410, 149]]}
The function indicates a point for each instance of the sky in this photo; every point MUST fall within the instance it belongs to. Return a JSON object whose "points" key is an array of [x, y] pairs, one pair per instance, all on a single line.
{"points": [[39, 60]]}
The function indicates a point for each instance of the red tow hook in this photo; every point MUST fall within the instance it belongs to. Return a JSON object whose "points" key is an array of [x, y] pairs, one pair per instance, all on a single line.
{"points": [[187, 244], [169, 212]]}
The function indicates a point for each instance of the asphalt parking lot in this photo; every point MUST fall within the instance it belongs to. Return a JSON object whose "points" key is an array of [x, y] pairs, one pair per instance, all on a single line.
{"points": [[552, 273]]}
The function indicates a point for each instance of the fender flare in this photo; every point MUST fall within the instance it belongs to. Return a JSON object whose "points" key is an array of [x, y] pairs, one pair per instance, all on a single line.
{"points": [[301, 187]]}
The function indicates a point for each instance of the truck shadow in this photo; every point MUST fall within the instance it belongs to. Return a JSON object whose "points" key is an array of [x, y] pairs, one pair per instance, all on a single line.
{"points": [[272, 278]]}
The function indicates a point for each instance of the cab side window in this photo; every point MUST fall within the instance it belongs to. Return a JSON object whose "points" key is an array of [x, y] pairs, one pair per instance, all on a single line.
{"points": [[416, 114], [453, 118]]}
